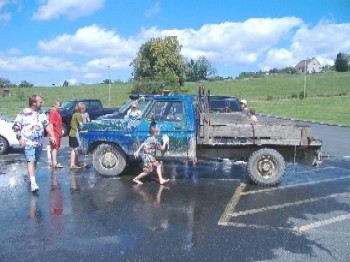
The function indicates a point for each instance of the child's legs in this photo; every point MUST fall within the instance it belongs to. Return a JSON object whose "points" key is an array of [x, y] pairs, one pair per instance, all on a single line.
{"points": [[159, 167], [141, 175], [72, 158]]}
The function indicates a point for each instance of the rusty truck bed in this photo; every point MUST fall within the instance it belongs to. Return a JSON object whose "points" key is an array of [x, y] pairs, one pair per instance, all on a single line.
{"points": [[237, 129]]}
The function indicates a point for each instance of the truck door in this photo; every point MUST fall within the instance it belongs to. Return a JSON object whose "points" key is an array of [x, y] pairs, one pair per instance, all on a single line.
{"points": [[169, 116]]}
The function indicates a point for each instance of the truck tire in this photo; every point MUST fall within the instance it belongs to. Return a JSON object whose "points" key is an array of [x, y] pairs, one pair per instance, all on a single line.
{"points": [[4, 145], [65, 129], [108, 160], [266, 167]]}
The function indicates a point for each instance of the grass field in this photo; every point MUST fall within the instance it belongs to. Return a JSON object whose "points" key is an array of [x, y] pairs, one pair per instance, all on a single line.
{"points": [[328, 95]]}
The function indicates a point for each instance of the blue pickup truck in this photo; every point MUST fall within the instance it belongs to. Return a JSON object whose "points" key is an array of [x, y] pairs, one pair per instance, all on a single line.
{"points": [[197, 133]]}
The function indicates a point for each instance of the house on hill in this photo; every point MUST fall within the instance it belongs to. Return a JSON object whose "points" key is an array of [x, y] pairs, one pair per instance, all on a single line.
{"points": [[309, 66]]}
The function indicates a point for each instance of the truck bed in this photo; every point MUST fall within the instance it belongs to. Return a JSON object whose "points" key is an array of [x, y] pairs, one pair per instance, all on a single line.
{"points": [[236, 129]]}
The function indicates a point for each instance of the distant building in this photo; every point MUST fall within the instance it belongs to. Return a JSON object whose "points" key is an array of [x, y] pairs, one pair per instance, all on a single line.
{"points": [[309, 65]]}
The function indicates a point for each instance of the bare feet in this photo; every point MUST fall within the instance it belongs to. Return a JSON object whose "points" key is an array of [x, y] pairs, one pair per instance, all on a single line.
{"points": [[137, 181], [163, 181]]}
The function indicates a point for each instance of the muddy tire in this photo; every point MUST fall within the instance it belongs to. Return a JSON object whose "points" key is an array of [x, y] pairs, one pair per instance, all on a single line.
{"points": [[4, 145], [108, 160], [266, 167]]}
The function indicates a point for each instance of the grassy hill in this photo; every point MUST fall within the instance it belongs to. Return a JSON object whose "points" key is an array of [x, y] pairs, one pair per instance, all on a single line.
{"points": [[328, 95]]}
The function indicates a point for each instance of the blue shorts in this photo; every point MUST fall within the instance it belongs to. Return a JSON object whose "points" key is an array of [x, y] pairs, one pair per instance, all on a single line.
{"points": [[33, 153]]}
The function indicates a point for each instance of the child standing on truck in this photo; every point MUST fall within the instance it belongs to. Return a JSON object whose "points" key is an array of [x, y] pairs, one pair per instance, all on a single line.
{"points": [[149, 161], [133, 112]]}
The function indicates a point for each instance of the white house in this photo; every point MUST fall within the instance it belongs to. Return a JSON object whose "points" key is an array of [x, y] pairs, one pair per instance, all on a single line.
{"points": [[309, 65]]}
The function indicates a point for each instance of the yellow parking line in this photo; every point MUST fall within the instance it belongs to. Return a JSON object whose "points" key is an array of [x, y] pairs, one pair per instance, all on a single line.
{"points": [[322, 223], [231, 205], [275, 207]]}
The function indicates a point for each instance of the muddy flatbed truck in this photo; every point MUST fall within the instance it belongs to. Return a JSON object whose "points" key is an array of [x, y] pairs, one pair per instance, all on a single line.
{"points": [[196, 134]]}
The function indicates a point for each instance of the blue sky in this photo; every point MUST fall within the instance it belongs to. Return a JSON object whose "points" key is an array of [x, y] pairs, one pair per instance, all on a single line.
{"points": [[46, 42]]}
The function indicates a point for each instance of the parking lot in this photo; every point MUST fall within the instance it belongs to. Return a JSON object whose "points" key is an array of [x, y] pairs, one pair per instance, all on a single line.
{"points": [[209, 211]]}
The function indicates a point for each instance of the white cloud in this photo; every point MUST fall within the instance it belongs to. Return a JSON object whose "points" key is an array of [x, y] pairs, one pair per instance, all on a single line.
{"points": [[5, 17], [72, 81], [91, 41], [278, 58], [155, 9], [14, 51], [5, 2], [35, 64], [261, 43], [226, 43], [323, 42], [92, 75], [51, 9], [235, 43]]}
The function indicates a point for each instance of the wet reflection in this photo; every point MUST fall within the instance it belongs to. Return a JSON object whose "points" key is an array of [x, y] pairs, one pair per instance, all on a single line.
{"points": [[34, 211], [55, 195], [150, 211], [74, 182]]}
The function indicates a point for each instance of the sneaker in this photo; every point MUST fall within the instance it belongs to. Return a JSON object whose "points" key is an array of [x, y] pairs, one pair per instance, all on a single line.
{"points": [[34, 187]]}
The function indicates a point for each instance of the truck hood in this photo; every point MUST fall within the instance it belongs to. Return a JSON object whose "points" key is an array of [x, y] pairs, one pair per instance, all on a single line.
{"points": [[106, 125]]}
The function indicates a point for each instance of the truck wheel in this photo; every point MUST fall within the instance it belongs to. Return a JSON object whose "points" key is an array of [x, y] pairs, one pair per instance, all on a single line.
{"points": [[4, 145], [108, 160], [266, 167], [65, 129]]}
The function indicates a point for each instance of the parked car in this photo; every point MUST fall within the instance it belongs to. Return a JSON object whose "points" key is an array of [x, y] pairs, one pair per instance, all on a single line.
{"points": [[223, 104], [7, 135], [94, 108]]}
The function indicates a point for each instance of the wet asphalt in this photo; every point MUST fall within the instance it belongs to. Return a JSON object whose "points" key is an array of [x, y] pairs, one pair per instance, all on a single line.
{"points": [[209, 211]]}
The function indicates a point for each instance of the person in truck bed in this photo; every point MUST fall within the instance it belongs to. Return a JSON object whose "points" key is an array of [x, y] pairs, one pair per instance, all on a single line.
{"points": [[251, 115], [149, 161]]}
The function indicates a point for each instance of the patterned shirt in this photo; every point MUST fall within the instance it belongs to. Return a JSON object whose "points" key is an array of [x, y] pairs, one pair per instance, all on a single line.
{"points": [[31, 124], [151, 144]]}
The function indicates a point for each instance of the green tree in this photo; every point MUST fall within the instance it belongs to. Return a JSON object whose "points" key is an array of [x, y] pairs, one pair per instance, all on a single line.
{"points": [[65, 83], [5, 82], [24, 83], [159, 65], [106, 81], [342, 62], [200, 69]]}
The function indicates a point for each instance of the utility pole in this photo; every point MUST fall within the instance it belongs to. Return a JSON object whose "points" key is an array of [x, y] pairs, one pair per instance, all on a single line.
{"points": [[109, 85], [305, 71]]}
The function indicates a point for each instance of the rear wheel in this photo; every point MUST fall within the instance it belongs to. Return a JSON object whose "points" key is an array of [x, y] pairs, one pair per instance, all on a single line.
{"points": [[266, 167], [4, 145], [109, 160]]}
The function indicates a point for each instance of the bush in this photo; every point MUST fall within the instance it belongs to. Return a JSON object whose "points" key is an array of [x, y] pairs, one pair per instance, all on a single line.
{"points": [[20, 94], [301, 95]]}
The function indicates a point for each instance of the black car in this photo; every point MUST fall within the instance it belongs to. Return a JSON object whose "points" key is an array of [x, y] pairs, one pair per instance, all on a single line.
{"points": [[224, 104]]}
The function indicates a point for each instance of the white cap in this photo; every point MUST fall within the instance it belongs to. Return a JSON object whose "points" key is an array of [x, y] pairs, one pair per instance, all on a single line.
{"points": [[243, 101]]}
